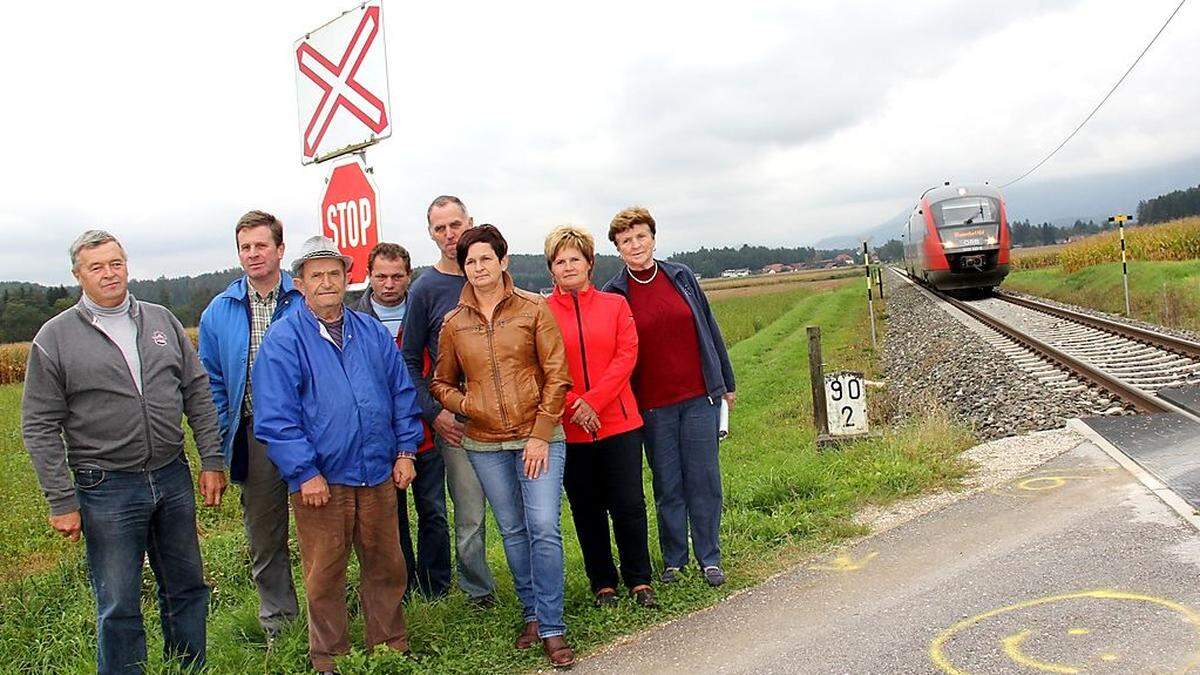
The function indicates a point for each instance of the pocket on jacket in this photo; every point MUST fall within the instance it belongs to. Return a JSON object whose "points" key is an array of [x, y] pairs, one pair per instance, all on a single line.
{"points": [[89, 479]]}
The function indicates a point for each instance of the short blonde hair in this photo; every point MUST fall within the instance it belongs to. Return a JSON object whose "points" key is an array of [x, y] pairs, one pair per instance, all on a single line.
{"points": [[570, 236], [628, 219]]}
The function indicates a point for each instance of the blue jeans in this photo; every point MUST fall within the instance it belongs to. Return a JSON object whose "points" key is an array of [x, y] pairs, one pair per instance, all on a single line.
{"points": [[127, 515], [527, 512], [429, 567], [470, 526], [681, 447]]}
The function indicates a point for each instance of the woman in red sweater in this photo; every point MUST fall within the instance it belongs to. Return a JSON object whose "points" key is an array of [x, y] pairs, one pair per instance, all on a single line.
{"points": [[603, 475]]}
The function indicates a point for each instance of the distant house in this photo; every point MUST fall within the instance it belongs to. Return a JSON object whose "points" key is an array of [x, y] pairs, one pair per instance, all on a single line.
{"points": [[844, 260], [734, 274], [776, 268]]}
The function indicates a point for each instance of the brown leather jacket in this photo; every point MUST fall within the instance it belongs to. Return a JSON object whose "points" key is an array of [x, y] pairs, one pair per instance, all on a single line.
{"points": [[509, 377]]}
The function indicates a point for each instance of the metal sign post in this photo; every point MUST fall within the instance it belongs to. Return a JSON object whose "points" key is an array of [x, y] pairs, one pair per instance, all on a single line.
{"points": [[870, 298], [1120, 219]]}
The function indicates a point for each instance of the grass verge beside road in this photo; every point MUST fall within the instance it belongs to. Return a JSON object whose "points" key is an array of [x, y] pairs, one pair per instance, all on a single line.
{"points": [[783, 501], [1166, 293]]}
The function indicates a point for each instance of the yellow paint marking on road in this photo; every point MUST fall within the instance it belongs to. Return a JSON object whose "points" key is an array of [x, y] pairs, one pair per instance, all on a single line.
{"points": [[937, 648], [845, 563], [1012, 647], [1078, 631], [1046, 482]]}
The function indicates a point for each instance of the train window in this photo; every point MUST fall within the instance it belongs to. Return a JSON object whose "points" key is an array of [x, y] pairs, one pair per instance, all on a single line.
{"points": [[965, 211]]}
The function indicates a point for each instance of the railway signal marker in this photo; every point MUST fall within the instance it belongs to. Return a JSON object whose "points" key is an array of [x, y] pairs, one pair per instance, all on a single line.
{"points": [[1120, 219], [342, 85]]}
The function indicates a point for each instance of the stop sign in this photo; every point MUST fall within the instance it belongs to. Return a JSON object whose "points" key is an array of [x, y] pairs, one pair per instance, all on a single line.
{"points": [[349, 215]]}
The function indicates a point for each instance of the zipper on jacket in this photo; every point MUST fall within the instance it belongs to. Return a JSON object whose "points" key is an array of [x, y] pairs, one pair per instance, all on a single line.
{"points": [[496, 369], [587, 380]]}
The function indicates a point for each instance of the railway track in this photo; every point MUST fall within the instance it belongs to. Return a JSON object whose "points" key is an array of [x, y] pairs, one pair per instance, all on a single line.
{"points": [[1070, 351]]}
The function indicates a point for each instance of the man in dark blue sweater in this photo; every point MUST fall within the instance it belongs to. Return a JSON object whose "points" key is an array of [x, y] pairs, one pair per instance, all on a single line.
{"points": [[432, 295]]}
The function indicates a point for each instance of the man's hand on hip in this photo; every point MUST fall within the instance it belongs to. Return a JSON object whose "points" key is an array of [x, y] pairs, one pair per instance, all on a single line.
{"points": [[69, 525], [314, 491], [212, 487], [448, 427]]}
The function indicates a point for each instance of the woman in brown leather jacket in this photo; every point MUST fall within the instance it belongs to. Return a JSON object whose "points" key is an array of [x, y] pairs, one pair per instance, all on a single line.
{"points": [[502, 365]]}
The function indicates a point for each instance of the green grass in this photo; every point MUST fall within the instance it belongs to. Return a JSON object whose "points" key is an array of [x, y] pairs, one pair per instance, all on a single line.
{"points": [[1162, 292], [784, 500]]}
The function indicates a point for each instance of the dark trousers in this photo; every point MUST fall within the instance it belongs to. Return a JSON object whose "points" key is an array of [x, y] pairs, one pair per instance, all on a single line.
{"points": [[128, 515], [430, 565], [264, 498], [362, 518], [604, 479], [681, 446]]}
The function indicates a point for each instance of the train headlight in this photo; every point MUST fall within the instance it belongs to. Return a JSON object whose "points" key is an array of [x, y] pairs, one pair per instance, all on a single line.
{"points": [[991, 240]]}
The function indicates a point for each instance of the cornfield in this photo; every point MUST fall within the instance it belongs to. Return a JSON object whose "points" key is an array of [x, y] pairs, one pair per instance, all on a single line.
{"points": [[1176, 240], [14, 355]]}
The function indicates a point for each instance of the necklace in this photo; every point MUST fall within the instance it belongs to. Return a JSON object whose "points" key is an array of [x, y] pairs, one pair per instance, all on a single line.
{"points": [[634, 277]]}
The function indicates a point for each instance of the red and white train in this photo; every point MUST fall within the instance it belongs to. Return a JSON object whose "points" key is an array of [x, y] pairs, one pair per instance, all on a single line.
{"points": [[957, 237]]}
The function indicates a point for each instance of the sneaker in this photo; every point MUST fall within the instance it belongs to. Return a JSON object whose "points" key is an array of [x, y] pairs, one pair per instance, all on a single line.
{"points": [[644, 597], [482, 602], [670, 575], [714, 576]]}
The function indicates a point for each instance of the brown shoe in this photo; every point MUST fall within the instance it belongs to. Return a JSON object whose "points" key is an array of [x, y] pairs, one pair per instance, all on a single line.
{"points": [[528, 636], [558, 651]]}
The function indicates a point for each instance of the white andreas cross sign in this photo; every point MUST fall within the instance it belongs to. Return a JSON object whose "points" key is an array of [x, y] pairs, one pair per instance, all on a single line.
{"points": [[343, 105]]}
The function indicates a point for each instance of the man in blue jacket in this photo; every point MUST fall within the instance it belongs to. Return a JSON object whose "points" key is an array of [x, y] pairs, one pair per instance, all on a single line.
{"points": [[231, 330], [336, 408]]}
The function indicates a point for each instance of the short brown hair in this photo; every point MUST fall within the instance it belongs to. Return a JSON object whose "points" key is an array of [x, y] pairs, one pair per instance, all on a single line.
{"points": [[630, 218], [484, 234], [390, 251], [441, 201], [570, 236], [258, 218]]}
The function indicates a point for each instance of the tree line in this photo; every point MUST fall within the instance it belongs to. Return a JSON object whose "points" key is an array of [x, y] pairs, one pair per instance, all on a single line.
{"points": [[1173, 205]]}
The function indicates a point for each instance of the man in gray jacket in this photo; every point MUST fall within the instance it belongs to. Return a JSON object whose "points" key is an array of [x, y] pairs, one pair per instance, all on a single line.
{"points": [[106, 386]]}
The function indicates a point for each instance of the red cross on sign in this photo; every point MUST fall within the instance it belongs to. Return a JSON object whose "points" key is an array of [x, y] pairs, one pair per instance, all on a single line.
{"points": [[341, 85], [350, 215]]}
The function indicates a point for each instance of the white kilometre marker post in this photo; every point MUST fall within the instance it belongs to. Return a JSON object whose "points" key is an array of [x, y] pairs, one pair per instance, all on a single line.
{"points": [[870, 298], [1120, 219]]}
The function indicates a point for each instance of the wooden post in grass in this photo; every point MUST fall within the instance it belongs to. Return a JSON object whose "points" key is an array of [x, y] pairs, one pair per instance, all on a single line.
{"points": [[816, 374], [1120, 219]]}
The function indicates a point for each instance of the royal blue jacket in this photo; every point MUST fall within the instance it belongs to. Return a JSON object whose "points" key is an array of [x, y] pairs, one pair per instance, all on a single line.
{"points": [[714, 358], [225, 348], [345, 414]]}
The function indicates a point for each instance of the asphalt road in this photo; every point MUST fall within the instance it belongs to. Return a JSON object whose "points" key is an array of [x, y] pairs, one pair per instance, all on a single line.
{"points": [[1073, 568]]}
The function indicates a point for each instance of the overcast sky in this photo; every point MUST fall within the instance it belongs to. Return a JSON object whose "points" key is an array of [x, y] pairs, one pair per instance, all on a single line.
{"points": [[764, 122]]}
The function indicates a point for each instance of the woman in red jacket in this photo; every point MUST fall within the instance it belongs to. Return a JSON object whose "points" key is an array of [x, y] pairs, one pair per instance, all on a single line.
{"points": [[603, 476]]}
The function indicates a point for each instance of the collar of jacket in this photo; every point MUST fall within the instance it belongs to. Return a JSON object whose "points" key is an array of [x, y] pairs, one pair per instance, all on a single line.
{"points": [[363, 304], [621, 281], [564, 297], [134, 309], [308, 318], [468, 299], [239, 290]]}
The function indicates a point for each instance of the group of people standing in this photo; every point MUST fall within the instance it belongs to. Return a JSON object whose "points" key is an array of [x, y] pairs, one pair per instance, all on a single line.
{"points": [[461, 381]]}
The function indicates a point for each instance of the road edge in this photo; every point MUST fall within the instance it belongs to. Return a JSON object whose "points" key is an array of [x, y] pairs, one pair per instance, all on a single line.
{"points": [[1154, 485]]}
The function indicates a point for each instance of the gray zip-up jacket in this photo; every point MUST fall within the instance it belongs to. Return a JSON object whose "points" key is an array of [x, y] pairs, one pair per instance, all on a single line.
{"points": [[78, 390]]}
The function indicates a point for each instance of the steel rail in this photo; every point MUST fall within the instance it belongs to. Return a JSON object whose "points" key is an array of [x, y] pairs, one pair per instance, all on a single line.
{"points": [[1146, 336]]}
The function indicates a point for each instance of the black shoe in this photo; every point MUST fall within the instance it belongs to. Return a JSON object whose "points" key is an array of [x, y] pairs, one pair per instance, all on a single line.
{"points": [[606, 597], [670, 575], [483, 602], [644, 597], [714, 576]]}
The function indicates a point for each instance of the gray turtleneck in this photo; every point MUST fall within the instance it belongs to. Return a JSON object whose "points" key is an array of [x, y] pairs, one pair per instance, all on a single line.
{"points": [[119, 326]]}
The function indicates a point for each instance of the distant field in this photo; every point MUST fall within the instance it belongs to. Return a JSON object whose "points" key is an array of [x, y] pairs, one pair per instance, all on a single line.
{"points": [[1178, 240], [781, 278]]}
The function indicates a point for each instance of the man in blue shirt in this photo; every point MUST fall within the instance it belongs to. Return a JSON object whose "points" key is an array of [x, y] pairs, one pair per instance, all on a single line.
{"points": [[231, 331], [338, 413], [435, 293], [389, 269]]}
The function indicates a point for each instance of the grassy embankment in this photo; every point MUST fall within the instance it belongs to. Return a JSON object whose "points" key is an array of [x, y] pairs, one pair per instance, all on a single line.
{"points": [[783, 502], [1164, 273]]}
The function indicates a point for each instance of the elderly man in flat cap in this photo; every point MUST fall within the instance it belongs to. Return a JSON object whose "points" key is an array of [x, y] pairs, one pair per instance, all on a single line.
{"points": [[334, 405]]}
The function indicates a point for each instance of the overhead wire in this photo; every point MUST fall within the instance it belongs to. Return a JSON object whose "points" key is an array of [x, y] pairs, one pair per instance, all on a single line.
{"points": [[1104, 100]]}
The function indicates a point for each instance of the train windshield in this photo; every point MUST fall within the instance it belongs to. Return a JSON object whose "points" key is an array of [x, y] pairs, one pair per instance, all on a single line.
{"points": [[966, 211]]}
